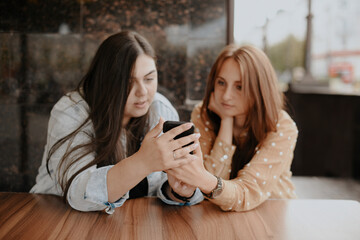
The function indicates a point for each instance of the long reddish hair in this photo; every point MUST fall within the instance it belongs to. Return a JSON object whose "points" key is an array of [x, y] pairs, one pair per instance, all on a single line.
{"points": [[259, 83]]}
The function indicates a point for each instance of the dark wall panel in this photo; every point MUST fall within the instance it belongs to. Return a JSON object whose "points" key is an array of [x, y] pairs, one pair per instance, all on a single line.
{"points": [[329, 133], [46, 47]]}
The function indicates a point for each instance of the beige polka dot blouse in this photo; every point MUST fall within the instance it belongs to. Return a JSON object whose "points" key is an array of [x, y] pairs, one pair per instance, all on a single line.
{"points": [[266, 176]]}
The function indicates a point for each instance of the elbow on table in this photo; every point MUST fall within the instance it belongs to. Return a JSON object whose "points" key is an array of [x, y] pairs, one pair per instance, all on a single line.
{"points": [[240, 207], [85, 206]]}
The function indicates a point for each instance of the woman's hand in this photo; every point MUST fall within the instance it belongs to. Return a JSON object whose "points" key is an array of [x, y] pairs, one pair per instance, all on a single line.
{"points": [[179, 187], [216, 107], [194, 173], [162, 153]]}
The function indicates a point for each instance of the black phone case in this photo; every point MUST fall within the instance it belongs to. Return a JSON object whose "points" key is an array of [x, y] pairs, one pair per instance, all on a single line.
{"points": [[171, 124]]}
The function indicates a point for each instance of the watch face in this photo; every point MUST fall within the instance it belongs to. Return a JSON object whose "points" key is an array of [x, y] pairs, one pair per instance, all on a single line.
{"points": [[217, 191]]}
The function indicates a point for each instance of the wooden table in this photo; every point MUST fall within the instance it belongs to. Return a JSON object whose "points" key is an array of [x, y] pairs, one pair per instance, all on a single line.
{"points": [[33, 216]]}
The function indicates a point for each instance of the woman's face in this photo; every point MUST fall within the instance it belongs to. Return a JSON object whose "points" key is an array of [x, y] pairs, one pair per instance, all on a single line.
{"points": [[143, 88], [228, 92]]}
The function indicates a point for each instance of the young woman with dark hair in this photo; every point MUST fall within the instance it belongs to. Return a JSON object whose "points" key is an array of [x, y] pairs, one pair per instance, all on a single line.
{"points": [[247, 139], [103, 146]]}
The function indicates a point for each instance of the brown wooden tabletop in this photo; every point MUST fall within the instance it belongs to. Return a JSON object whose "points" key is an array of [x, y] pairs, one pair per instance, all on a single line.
{"points": [[35, 216]]}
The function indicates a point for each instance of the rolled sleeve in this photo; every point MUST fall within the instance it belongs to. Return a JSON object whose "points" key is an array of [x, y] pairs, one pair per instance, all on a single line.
{"points": [[88, 192], [197, 198]]}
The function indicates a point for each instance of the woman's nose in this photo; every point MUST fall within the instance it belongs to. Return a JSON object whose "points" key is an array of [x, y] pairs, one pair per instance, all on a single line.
{"points": [[141, 89], [227, 94]]}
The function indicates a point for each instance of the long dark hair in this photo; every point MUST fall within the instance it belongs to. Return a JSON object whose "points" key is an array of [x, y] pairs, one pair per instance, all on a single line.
{"points": [[105, 88], [259, 83]]}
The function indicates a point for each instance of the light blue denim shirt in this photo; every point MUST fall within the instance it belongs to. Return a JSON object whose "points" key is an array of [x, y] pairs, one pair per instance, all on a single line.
{"points": [[88, 191]]}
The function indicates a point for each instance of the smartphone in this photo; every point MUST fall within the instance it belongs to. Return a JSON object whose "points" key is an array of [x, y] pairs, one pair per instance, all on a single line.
{"points": [[171, 124]]}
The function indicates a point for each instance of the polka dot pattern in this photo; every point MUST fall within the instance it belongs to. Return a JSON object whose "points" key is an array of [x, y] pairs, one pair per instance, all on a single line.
{"points": [[263, 177]]}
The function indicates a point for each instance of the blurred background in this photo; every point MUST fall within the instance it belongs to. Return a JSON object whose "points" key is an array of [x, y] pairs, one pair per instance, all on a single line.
{"points": [[314, 45]]}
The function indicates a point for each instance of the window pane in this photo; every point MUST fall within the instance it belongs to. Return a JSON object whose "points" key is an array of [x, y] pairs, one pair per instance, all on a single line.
{"points": [[278, 27], [336, 43]]}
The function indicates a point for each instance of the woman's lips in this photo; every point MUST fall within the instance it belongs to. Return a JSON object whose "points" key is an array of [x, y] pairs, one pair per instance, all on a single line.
{"points": [[226, 105], [140, 104]]}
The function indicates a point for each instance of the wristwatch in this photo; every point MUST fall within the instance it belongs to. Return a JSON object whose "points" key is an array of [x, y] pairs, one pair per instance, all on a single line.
{"points": [[217, 190]]}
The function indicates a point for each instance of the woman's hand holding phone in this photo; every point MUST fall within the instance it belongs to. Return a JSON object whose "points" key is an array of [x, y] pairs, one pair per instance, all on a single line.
{"points": [[195, 173], [160, 153]]}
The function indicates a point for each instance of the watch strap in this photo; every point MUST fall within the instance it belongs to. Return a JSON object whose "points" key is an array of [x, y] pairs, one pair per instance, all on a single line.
{"points": [[182, 198]]}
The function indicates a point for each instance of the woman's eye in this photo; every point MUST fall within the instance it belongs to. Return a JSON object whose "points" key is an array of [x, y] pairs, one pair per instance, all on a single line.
{"points": [[149, 78], [238, 87], [220, 82]]}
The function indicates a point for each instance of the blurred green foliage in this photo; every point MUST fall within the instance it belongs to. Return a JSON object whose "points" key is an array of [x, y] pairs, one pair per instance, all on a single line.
{"points": [[287, 54]]}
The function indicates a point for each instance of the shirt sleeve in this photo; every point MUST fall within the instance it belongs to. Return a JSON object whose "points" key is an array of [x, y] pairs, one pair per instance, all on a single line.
{"points": [[88, 190], [161, 107], [266, 170]]}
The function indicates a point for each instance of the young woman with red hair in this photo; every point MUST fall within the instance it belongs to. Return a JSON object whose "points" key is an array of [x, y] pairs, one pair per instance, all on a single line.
{"points": [[247, 139]]}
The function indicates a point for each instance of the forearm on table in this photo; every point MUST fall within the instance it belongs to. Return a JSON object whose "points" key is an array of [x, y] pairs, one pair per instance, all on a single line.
{"points": [[248, 190], [124, 176]]}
